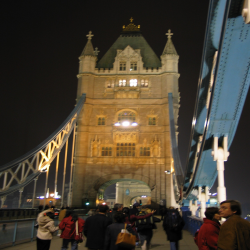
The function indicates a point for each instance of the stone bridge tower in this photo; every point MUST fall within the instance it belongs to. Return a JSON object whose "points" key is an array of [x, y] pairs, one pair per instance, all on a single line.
{"points": [[123, 131]]}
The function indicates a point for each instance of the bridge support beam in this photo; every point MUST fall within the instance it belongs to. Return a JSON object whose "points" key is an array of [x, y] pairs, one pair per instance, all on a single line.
{"points": [[3, 198], [34, 192], [220, 154], [20, 197]]}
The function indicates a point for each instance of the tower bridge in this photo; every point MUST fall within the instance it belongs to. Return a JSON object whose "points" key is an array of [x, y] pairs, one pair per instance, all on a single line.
{"points": [[125, 123]]}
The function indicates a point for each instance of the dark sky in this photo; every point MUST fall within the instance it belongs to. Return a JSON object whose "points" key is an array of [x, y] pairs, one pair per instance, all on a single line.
{"points": [[40, 45]]}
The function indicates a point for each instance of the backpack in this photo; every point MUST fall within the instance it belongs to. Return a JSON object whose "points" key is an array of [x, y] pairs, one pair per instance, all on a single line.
{"points": [[144, 224]]}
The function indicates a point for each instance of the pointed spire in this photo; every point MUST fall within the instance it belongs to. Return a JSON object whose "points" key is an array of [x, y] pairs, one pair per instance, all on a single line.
{"points": [[88, 49], [169, 48]]}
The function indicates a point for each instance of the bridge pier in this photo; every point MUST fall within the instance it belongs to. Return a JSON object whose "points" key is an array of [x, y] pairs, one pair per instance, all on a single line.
{"points": [[193, 207], [203, 198], [220, 154]]}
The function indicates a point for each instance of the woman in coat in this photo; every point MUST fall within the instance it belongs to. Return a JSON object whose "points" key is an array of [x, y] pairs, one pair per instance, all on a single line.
{"points": [[207, 237], [45, 230], [68, 227]]}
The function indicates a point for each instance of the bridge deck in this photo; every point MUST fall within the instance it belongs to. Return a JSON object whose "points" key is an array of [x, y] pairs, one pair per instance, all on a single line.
{"points": [[159, 242]]}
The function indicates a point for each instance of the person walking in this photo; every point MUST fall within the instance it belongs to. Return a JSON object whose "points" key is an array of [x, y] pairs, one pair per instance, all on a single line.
{"points": [[46, 228], [68, 227], [173, 224], [130, 219], [207, 237], [113, 230], [145, 229], [235, 231], [95, 228]]}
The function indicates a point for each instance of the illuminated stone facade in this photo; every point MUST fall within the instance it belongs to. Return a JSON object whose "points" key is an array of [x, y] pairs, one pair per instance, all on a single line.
{"points": [[123, 131]]}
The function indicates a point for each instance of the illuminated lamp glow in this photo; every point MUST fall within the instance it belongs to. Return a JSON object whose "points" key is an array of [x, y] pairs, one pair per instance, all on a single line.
{"points": [[51, 195], [104, 203], [167, 171], [134, 124], [125, 123], [117, 124]]}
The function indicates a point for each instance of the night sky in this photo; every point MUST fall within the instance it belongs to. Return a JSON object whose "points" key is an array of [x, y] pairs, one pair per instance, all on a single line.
{"points": [[40, 45]]}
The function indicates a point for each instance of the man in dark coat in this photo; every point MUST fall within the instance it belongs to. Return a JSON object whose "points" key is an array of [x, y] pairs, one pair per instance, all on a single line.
{"points": [[113, 231], [173, 224], [95, 229], [235, 231]]}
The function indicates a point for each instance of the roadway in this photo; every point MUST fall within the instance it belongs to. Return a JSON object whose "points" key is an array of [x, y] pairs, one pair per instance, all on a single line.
{"points": [[159, 242]]}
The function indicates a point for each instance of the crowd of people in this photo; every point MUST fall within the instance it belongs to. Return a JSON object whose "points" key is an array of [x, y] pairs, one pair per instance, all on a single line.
{"points": [[103, 226]]}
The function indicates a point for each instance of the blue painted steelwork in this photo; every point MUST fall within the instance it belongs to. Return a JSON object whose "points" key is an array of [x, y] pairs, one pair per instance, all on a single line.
{"points": [[228, 82], [178, 172]]}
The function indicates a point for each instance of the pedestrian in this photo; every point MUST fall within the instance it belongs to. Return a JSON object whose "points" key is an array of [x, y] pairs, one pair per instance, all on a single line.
{"points": [[235, 231], [68, 227], [113, 230], [173, 224], [90, 212], [45, 230], [135, 209], [117, 208], [145, 229], [131, 219], [95, 228], [61, 216], [207, 237]]}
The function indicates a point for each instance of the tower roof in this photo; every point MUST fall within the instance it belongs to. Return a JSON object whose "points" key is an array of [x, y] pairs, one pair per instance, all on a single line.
{"points": [[131, 36], [169, 48], [89, 49]]}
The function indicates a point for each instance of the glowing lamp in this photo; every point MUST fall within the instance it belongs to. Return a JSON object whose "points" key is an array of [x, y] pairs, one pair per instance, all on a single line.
{"points": [[125, 123], [134, 124], [117, 124]]}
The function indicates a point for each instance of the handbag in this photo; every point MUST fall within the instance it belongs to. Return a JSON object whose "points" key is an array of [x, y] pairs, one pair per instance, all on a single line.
{"points": [[79, 236], [125, 240]]}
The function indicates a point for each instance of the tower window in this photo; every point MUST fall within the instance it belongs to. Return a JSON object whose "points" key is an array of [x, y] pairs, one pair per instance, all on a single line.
{"points": [[122, 66], [125, 149], [101, 120], [133, 66], [144, 151], [133, 83], [106, 151], [144, 83], [152, 121], [126, 116], [122, 83]]}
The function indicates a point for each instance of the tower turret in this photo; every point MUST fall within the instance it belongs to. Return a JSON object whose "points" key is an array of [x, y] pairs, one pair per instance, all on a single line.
{"points": [[169, 57], [88, 57]]}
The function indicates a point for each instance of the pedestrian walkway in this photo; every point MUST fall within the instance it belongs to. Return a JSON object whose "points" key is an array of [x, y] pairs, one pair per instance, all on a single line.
{"points": [[159, 242]]}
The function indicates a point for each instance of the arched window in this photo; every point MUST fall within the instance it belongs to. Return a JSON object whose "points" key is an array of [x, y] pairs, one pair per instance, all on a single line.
{"points": [[101, 120], [144, 83], [126, 116], [122, 83], [152, 121], [133, 83]]}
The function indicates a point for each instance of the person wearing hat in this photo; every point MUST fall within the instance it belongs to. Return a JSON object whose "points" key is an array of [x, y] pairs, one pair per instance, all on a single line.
{"points": [[135, 209]]}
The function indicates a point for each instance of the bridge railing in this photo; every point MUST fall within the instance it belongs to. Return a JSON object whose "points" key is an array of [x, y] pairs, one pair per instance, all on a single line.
{"points": [[13, 232]]}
